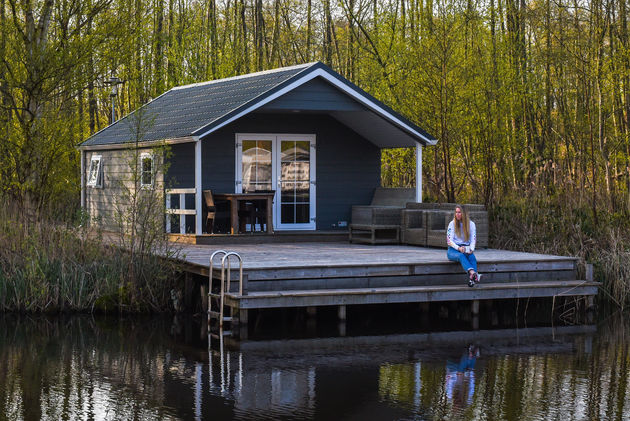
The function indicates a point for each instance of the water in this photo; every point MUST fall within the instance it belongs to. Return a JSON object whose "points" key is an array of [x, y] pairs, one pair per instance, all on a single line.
{"points": [[86, 368]]}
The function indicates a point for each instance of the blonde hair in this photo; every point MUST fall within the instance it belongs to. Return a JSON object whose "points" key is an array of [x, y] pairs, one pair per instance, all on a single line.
{"points": [[465, 224]]}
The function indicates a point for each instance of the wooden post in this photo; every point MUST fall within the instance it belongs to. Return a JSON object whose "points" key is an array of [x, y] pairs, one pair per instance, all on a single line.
{"points": [[341, 311], [243, 316], [474, 310], [474, 307], [242, 321], [204, 297], [589, 272], [341, 327]]}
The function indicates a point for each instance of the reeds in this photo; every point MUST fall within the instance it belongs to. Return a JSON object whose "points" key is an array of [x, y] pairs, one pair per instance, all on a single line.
{"points": [[49, 265], [561, 225]]}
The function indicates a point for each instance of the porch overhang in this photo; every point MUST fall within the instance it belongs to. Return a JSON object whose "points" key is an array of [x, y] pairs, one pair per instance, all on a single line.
{"points": [[376, 129]]}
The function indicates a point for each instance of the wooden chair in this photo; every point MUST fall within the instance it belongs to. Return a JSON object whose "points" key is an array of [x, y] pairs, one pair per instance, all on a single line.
{"points": [[246, 215], [260, 212], [211, 210]]}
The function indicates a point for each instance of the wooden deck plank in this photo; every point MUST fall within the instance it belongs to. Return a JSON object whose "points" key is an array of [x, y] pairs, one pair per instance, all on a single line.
{"points": [[309, 255], [356, 296]]}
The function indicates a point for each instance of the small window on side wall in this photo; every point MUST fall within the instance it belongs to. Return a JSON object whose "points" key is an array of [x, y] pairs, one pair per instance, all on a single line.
{"points": [[146, 170], [95, 173]]}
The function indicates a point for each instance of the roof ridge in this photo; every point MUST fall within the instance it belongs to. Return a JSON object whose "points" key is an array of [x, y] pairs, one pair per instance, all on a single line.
{"points": [[262, 72]]}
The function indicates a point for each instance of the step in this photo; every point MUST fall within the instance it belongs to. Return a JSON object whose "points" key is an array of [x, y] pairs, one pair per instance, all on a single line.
{"points": [[404, 281], [322, 297], [401, 269]]}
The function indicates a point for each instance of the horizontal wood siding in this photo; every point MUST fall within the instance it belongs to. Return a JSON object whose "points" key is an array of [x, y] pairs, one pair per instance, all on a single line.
{"points": [[348, 166], [106, 203], [315, 95]]}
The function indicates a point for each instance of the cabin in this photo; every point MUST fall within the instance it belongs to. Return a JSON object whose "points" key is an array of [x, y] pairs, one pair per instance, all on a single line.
{"points": [[303, 138], [296, 152]]}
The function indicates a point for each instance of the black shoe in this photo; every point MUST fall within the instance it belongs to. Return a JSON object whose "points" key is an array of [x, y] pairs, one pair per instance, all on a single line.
{"points": [[471, 283]]}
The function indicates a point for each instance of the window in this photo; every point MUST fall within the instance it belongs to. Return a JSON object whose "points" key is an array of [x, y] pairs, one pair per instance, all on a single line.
{"points": [[95, 173], [146, 170]]}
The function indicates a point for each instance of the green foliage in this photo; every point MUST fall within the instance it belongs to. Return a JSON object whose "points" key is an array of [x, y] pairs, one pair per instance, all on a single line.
{"points": [[49, 266]]}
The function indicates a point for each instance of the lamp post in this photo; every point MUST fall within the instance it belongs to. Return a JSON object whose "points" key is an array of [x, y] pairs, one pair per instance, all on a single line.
{"points": [[114, 81]]}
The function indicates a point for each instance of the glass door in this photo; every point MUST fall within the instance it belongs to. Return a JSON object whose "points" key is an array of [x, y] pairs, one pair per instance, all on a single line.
{"points": [[286, 164], [256, 166], [295, 177]]}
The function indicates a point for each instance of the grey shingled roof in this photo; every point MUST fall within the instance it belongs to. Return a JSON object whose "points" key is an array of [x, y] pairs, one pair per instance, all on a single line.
{"points": [[191, 110], [180, 111]]}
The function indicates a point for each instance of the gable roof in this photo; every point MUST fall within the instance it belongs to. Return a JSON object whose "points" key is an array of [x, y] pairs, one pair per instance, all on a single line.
{"points": [[186, 112]]}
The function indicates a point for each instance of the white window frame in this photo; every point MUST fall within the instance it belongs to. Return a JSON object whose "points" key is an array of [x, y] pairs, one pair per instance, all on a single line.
{"points": [[143, 156], [276, 138], [97, 180]]}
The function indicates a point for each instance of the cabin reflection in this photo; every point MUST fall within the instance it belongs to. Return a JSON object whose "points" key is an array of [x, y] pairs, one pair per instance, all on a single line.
{"points": [[254, 386]]}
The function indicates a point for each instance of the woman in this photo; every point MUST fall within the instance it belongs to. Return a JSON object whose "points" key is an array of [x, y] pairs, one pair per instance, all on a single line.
{"points": [[461, 238]]}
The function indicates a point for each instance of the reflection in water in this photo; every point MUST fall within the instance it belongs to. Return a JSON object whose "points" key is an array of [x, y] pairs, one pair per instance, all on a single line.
{"points": [[460, 378], [85, 368]]}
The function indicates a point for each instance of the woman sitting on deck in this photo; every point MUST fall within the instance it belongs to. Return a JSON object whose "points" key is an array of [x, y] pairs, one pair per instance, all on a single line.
{"points": [[461, 238]]}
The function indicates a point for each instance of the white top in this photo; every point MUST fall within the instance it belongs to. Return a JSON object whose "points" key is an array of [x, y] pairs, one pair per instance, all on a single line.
{"points": [[452, 240]]}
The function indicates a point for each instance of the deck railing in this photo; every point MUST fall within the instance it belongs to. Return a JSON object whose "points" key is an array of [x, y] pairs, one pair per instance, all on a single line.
{"points": [[181, 211]]}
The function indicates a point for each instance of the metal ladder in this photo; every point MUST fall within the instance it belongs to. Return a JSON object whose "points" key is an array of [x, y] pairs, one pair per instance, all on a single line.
{"points": [[218, 312]]}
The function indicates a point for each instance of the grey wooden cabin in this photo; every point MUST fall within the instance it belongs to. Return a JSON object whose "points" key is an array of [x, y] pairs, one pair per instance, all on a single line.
{"points": [[304, 132]]}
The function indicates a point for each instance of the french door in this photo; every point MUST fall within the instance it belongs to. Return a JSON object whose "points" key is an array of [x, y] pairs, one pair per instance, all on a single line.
{"points": [[285, 164]]}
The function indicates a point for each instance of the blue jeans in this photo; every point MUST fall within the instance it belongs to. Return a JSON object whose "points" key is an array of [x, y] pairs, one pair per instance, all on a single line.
{"points": [[468, 261]]}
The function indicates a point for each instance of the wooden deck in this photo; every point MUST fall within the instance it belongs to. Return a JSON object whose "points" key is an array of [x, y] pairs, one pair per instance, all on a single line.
{"points": [[323, 274]]}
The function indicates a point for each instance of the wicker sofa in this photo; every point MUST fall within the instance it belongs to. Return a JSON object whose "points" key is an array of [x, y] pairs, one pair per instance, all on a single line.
{"points": [[424, 224], [379, 222]]}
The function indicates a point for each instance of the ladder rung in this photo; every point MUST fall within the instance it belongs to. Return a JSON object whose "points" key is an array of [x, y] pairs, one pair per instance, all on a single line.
{"points": [[213, 295], [214, 313]]}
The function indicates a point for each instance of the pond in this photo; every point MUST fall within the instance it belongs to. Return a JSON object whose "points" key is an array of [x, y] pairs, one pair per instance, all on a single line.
{"points": [[148, 368]]}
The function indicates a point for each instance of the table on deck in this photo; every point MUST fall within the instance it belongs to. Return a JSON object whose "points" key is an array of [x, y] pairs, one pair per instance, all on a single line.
{"points": [[234, 198]]}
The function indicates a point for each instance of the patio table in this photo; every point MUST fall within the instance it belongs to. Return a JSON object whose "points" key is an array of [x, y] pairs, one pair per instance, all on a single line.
{"points": [[235, 198]]}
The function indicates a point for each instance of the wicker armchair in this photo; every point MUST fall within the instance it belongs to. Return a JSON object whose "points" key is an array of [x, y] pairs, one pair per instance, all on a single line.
{"points": [[379, 223], [413, 229], [437, 223]]}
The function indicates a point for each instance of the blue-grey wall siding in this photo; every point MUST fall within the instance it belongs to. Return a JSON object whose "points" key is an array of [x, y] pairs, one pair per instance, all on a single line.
{"points": [[314, 95], [348, 167]]}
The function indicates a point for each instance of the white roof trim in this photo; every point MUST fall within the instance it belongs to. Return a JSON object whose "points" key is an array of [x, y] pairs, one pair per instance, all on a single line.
{"points": [[337, 83], [245, 76]]}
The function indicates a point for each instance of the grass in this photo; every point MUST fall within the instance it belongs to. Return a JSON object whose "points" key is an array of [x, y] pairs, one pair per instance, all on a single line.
{"points": [[49, 265]]}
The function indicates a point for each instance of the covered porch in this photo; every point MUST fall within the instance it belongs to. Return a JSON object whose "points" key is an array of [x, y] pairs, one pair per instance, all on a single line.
{"points": [[313, 147]]}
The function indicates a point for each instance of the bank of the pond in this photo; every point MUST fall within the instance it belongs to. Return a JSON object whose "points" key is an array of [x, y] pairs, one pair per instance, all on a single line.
{"points": [[565, 226], [50, 266]]}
